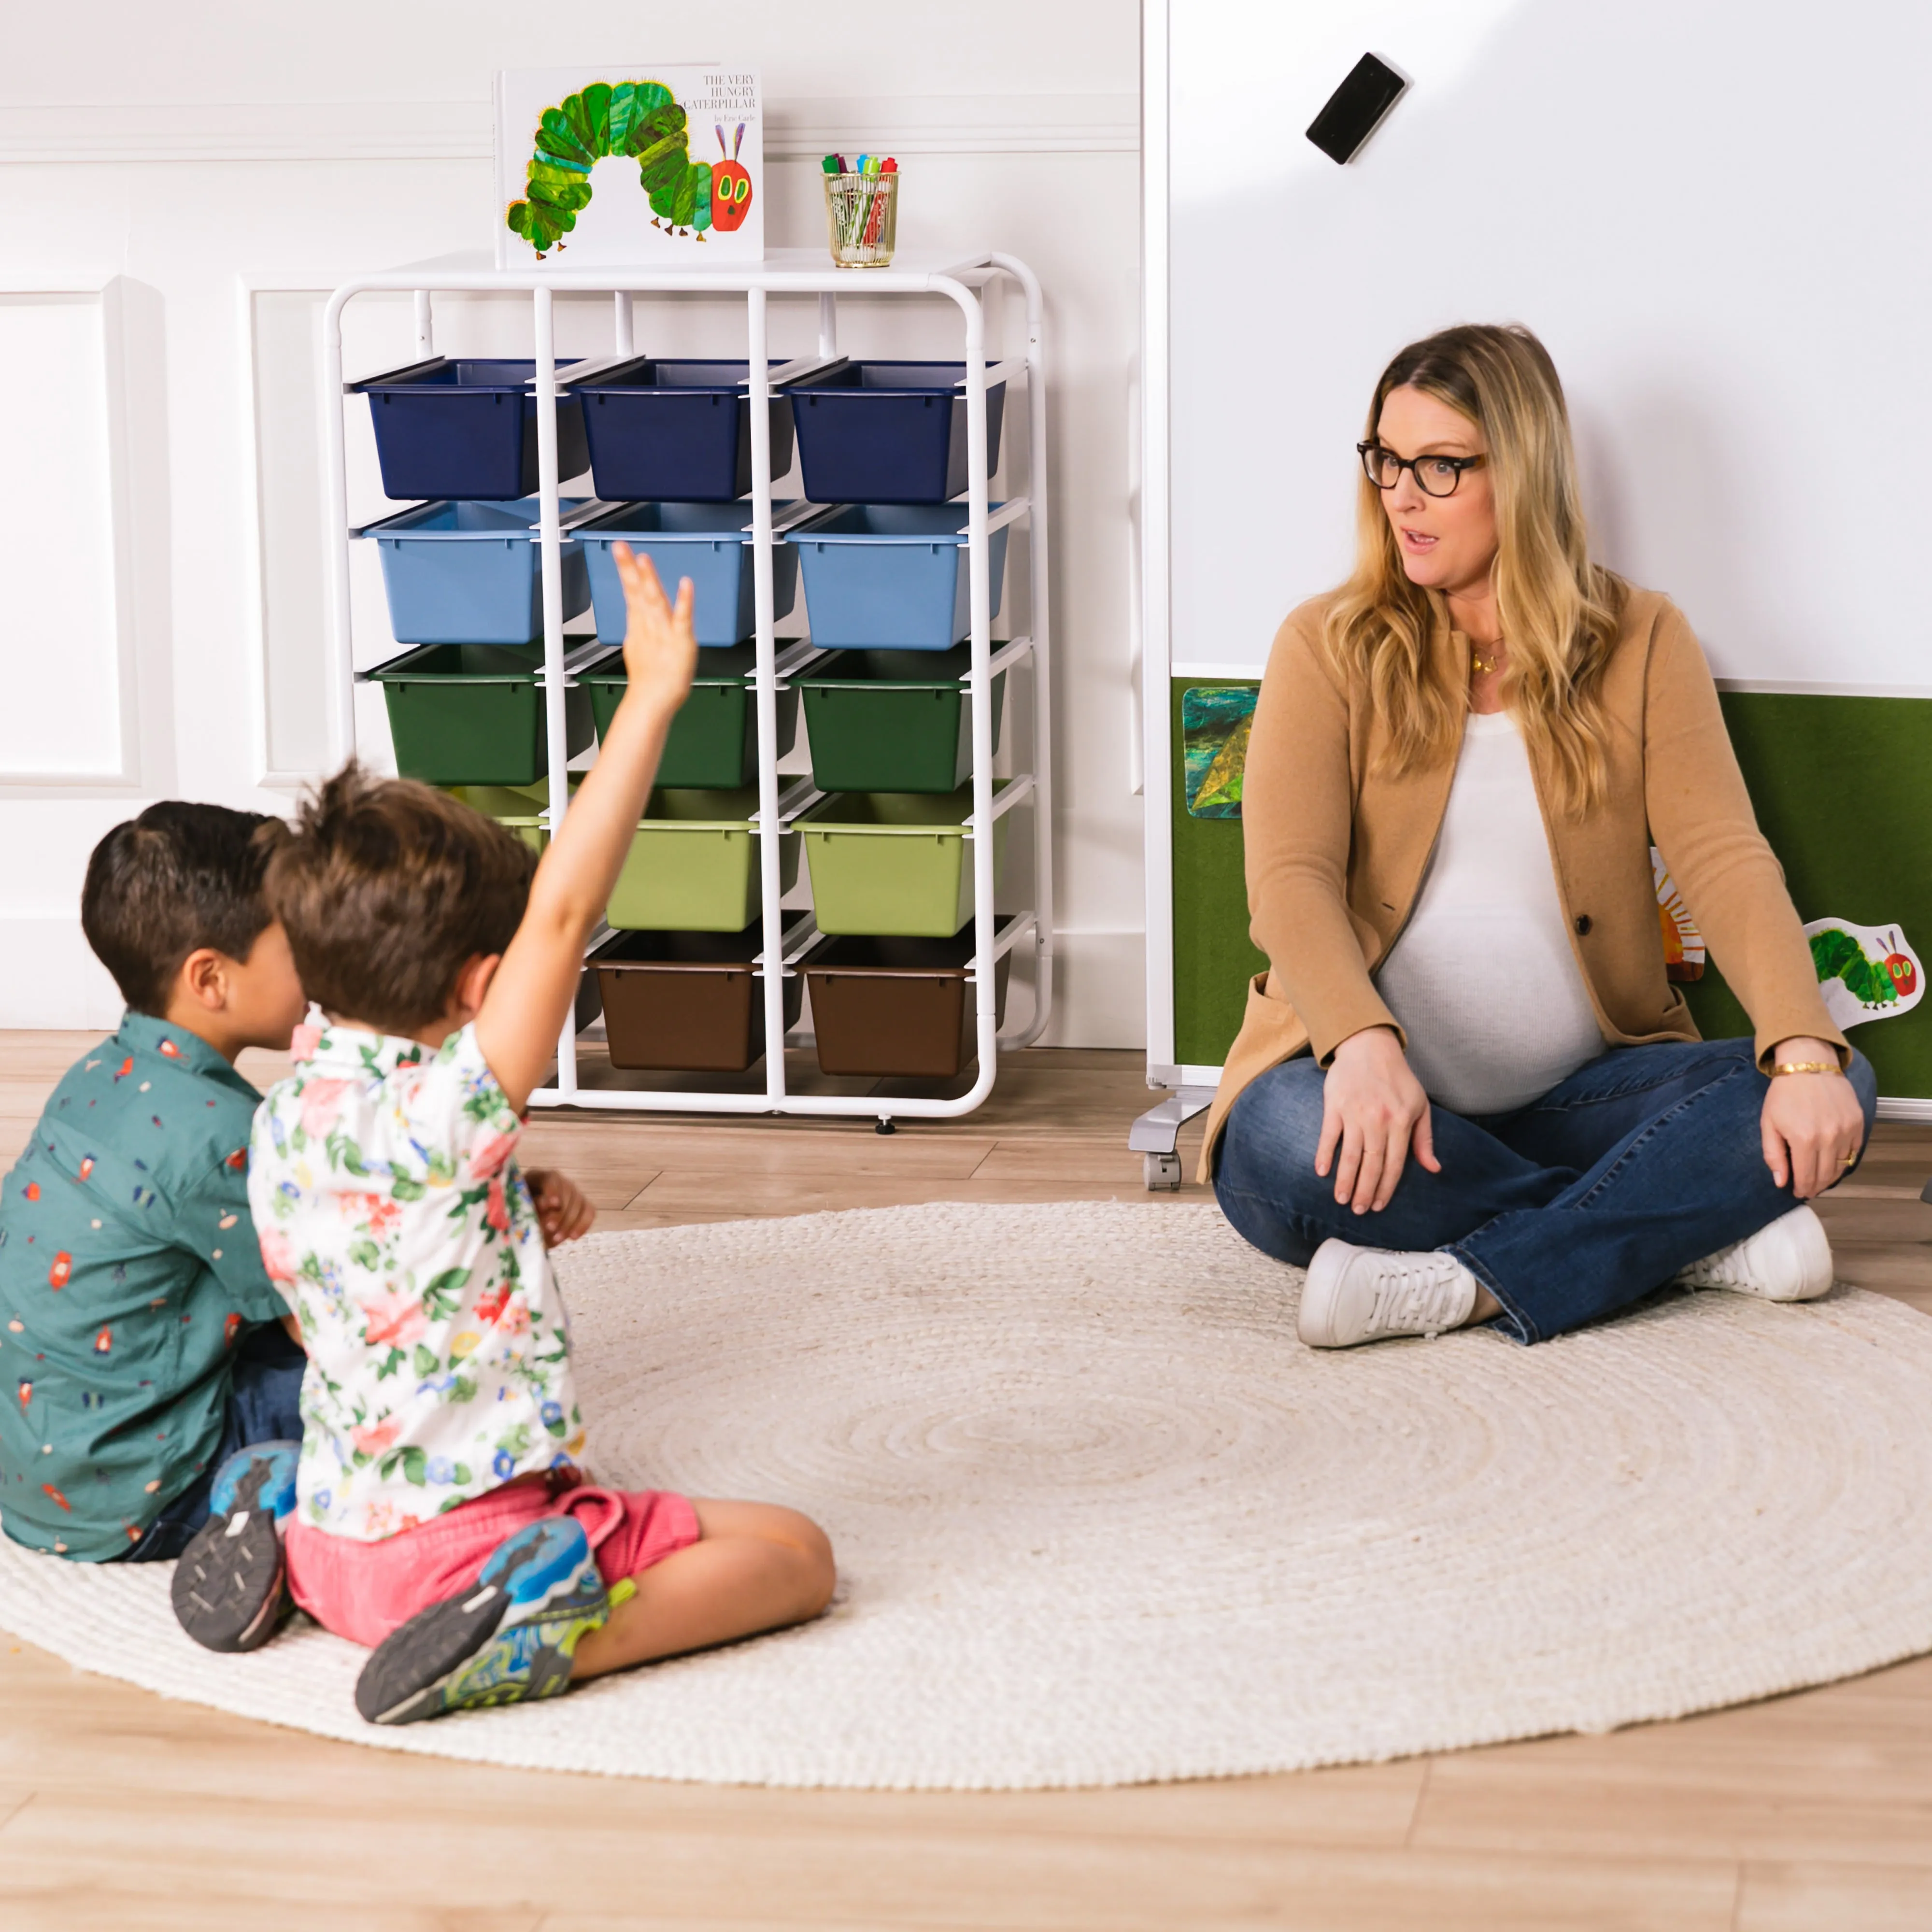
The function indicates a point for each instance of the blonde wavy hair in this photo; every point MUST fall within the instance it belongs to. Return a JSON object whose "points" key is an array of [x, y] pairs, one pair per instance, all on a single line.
{"points": [[1559, 611]]}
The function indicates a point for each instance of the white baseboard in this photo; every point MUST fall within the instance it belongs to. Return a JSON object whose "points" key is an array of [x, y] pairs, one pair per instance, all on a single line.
{"points": [[1904, 1110], [1210, 1076], [49, 977]]}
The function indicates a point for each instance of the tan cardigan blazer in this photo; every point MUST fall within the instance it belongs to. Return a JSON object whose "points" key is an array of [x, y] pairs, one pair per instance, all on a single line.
{"points": [[1337, 852]]}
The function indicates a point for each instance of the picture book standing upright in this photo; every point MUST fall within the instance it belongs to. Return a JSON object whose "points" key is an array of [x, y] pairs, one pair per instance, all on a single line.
{"points": [[636, 164]]}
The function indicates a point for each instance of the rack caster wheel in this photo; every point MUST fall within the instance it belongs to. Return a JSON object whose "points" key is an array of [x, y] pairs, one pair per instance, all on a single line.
{"points": [[1161, 1172], [884, 1125]]}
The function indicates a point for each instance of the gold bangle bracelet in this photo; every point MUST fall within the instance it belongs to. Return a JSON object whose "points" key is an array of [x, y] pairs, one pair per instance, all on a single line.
{"points": [[1806, 1066]]}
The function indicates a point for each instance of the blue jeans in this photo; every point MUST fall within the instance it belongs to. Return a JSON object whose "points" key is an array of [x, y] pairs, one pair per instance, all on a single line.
{"points": [[264, 1403], [1567, 1210]]}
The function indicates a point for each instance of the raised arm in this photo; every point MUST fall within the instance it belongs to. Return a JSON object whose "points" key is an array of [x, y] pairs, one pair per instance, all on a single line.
{"points": [[523, 1011]]}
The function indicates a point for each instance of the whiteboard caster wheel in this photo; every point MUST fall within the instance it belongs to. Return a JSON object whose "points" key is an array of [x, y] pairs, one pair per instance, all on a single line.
{"points": [[1161, 1172]]}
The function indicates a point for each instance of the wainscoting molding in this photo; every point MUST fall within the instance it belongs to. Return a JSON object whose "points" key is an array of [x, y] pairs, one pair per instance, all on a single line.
{"points": [[67, 549], [444, 130]]}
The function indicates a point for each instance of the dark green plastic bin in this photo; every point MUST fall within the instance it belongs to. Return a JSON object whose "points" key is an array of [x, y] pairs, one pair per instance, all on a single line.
{"points": [[473, 714], [893, 721], [713, 744]]}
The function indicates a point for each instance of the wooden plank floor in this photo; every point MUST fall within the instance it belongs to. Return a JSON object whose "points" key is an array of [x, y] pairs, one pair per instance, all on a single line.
{"points": [[1810, 1813]]}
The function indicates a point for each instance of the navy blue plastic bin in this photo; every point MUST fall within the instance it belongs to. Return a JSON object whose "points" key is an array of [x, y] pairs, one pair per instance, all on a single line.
{"points": [[678, 430], [471, 573], [888, 432], [891, 576], [469, 428], [709, 543]]}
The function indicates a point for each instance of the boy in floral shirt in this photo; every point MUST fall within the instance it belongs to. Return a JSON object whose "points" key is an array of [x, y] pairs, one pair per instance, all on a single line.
{"points": [[442, 1480]]}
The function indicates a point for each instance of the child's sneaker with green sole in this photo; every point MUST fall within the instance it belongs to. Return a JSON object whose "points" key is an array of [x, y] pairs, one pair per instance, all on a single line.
{"points": [[231, 1588], [512, 1636]]}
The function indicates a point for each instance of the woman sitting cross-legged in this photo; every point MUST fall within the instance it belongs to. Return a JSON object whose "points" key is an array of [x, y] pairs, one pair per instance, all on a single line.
{"points": [[1465, 1090]]}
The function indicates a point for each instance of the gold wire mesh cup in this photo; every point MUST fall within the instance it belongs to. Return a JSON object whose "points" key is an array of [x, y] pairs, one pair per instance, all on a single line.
{"points": [[862, 213]]}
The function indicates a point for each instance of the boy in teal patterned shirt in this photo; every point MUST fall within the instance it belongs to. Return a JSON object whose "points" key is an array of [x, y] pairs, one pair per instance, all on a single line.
{"points": [[141, 1341]]}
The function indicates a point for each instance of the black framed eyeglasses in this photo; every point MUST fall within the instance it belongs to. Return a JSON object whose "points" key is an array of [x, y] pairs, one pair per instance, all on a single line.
{"points": [[1435, 475]]}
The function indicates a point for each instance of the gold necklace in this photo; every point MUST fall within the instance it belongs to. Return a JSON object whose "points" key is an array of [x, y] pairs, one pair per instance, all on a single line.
{"points": [[1482, 665]]}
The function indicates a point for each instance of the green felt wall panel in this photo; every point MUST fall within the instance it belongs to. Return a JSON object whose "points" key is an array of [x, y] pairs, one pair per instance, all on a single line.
{"points": [[1213, 957], [1843, 788]]}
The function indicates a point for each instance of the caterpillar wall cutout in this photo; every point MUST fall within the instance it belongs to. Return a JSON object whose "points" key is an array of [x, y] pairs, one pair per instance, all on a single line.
{"points": [[1865, 972], [612, 166]]}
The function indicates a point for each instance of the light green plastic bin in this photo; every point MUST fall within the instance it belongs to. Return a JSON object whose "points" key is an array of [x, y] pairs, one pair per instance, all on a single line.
{"points": [[693, 866], [895, 864], [518, 807]]}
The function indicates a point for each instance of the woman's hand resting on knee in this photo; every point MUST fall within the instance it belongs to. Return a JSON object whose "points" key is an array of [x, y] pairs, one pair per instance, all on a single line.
{"points": [[1812, 1125], [1374, 1114]]}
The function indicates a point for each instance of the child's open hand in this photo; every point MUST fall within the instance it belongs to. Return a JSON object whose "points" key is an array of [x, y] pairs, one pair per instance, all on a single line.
{"points": [[563, 1213], [660, 649]]}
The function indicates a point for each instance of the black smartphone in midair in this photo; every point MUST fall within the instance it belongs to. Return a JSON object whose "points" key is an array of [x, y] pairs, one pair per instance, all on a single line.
{"points": [[1355, 108]]}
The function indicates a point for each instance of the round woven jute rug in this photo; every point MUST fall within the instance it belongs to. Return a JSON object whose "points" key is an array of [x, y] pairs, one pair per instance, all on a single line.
{"points": [[1102, 1519]]}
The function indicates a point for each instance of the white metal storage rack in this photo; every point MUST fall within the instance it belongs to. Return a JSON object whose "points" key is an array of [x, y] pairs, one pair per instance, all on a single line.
{"points": [[784, 272]]}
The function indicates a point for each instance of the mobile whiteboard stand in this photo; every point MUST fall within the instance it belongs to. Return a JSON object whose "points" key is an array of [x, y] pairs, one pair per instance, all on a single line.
{"points": [[789, 271], [1155, 1136]]}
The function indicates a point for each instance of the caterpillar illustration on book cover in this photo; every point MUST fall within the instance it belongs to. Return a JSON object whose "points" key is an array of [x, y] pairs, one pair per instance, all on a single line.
{"points": [[551, 143], [637, 118]]}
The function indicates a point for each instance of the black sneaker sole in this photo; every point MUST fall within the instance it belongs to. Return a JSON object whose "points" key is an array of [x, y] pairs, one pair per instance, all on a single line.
{"points": [[230, 1588], [406, 1667]]}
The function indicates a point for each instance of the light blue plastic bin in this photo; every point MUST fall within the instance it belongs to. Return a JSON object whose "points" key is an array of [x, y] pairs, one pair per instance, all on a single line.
{"points": [[891, 576], [707, 542], [471, 573]]}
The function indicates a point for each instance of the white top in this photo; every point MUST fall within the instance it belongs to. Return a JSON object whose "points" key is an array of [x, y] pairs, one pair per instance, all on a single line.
{"points": [[393, 1220], [1483, 978]]}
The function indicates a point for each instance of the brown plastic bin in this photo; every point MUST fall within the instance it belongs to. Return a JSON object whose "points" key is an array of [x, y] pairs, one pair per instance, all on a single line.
{"points": [[687, 1002], [897, 1005]]}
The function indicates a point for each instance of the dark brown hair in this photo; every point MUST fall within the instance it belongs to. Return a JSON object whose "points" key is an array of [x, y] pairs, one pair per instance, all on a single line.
{"points": [[387, 889], [162, 885]]}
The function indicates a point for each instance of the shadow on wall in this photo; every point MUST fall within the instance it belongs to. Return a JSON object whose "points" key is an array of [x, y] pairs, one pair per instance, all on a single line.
{"points": [[1664, 433]]}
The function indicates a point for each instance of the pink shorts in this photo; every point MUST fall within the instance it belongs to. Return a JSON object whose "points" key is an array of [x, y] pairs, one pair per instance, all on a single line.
{"points": [[362, 1591]]}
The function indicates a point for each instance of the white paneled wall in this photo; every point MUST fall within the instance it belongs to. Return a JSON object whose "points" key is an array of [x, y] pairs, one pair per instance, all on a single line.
{"points": [[215, 208], [291, 641], [65, 711]]}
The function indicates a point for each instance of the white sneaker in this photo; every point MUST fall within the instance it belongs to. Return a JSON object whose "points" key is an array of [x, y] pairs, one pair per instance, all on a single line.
{"points": [[1360, 1295], [1788, 1261]]}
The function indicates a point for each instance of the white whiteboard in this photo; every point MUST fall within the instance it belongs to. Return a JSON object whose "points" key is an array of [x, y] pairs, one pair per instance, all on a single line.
{"points": [[1714, 214]]}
